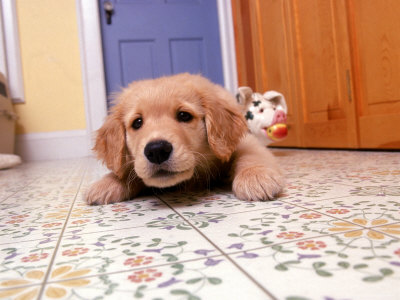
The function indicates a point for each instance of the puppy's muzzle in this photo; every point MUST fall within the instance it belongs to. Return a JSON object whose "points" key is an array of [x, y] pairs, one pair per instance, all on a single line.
{"points": [[158, 151]]}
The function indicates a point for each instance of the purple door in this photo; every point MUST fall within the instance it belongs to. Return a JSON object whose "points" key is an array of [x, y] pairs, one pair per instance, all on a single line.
{"points": [[152, 38]]}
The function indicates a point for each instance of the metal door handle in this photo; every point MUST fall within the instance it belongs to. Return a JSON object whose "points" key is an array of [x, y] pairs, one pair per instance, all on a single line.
{"points": [[109, 9]]}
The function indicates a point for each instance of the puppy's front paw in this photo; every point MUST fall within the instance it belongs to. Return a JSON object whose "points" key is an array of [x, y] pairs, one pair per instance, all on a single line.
{"points": [[107, 190], [258, 183]]}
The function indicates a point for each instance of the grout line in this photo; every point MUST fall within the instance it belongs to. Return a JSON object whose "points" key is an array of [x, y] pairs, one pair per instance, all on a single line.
{"points": [[260, 286], [45, 279]]}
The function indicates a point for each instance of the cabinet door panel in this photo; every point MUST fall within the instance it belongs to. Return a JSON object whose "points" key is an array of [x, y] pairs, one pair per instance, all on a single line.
{"points": [[375, 39], [324, 73]]}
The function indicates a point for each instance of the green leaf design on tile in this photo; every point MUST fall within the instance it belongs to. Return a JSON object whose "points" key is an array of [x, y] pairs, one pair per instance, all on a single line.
{"points": [[360, 266], [156, 242], [174, 221], [343, 264], [179, 268], [372, 278], [138, 292], [386, 272], [170, 257], [194, 280], [214, 280], [281, 267], [318, 269]]}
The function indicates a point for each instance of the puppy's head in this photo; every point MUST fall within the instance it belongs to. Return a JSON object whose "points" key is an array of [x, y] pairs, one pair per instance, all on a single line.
{"points": [[163, 129]]}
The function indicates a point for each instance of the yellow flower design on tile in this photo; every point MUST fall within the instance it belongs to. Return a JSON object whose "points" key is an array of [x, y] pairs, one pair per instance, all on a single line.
{"points": [[81, 212], [344, 226], [62, 213], [391, 229], [53, 290]]}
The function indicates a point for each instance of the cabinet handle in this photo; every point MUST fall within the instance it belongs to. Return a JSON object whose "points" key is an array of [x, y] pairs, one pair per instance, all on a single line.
{"points": [[348, 82]]}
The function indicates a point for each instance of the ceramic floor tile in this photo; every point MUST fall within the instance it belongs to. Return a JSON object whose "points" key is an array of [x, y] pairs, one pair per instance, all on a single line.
{"points": [[23, 262], [313, 190], [128, 214], [343, 266], [255, 229], [23, 292], [118, 250], [219, 201], [200, 279], [362, 210]]}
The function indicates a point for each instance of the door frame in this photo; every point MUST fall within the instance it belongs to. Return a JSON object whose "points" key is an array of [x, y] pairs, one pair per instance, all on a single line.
{"points": [[92, 58]]}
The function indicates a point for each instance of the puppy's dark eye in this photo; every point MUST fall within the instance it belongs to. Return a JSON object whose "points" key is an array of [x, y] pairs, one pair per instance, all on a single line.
{"points": [[184, 116], [137, 123]]}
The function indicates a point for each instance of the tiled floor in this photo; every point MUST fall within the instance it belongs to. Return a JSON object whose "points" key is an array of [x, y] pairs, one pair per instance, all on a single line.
{"points": [[333, 234]]}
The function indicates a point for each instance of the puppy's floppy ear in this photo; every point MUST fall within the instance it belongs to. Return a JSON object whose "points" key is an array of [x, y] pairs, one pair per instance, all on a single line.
{"points": [[224, 120], [110, 144]]}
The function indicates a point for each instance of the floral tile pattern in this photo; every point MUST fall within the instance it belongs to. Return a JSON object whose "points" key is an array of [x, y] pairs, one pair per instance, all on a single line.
{"points": [[334, 233]]}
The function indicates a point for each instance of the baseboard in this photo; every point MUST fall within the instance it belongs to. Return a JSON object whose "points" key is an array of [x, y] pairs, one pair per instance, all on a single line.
{"points": [[53, 145]]}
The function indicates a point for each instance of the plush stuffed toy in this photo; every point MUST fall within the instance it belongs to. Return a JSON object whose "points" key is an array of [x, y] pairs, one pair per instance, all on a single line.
{"points": [[265, 114]]}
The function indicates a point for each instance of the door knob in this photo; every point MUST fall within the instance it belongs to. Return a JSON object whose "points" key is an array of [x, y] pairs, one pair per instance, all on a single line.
{"points": [[109, 9]]}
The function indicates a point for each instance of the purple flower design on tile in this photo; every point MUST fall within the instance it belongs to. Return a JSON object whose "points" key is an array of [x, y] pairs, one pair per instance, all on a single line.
{"points": [[14, 254], [169, 227], [212, 262], [154, 250], [301, 256], [98, 244], [49, 234], [203, 252], [214, 220], [46, 241], [248, 255], [236, 246], [265, 232], [167, 283], [395, 263]]}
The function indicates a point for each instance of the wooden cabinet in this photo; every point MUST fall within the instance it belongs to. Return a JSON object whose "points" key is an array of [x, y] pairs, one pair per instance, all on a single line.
{"points": [[336, 61]]}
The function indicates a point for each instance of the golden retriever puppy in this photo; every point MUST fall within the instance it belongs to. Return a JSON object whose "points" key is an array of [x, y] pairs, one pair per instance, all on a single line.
{"points": [[184, 131]]}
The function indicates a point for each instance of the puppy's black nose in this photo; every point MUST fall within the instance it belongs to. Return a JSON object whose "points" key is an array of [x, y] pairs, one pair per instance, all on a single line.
{"points": [[158, 151]]}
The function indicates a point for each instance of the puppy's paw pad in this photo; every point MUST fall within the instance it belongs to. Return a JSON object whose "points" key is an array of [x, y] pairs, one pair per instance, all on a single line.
{"points": [[258, 183]]}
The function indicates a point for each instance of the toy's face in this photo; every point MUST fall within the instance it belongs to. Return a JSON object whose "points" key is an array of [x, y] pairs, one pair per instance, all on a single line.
{"points": [[266, 119]]}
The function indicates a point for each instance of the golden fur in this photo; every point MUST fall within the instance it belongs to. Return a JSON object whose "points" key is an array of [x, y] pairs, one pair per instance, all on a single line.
{"points": [[212, 145]]}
